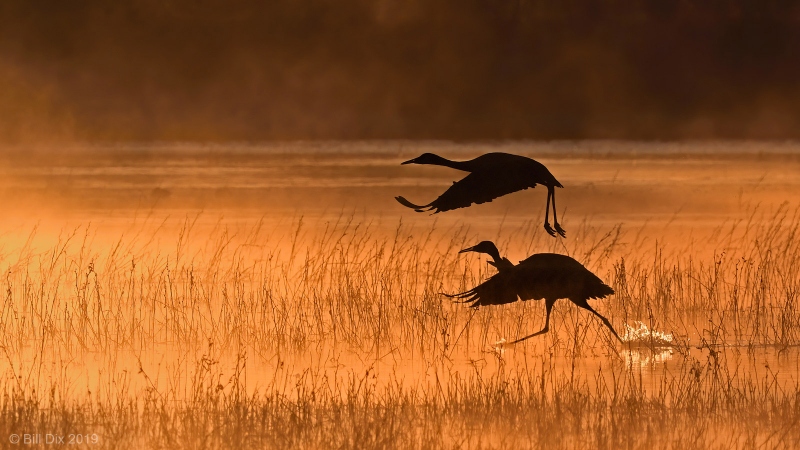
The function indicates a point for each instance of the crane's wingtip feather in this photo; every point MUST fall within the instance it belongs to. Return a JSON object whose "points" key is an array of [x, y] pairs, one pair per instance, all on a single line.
{"points": [[460, 294], [402, 200]]}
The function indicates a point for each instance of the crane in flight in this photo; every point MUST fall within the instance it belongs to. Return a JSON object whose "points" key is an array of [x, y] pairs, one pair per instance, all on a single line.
{"points": [[547, 276], [491, 175]]}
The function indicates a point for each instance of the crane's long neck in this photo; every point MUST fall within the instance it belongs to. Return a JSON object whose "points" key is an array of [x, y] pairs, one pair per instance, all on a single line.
{"points": [[495, 254], [437, 160], [501, 264]]}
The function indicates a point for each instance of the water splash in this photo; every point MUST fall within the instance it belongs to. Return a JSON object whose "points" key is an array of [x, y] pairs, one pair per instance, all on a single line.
{"points": [[499, 347], [640, 334]]}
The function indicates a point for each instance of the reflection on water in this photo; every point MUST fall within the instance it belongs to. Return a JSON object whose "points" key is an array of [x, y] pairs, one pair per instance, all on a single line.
{"points": [[645, 357], [176, 370]]}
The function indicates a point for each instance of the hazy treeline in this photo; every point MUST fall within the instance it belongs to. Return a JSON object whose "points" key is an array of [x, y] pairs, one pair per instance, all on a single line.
{"points": [[466, 69]]}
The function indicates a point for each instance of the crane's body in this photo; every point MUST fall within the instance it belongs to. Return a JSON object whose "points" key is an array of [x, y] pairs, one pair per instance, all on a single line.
{"points": [[490, 176], [543, 276]]}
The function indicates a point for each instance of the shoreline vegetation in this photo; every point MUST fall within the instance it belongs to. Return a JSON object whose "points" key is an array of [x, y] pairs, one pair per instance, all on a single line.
{"points": [[333, 334]]}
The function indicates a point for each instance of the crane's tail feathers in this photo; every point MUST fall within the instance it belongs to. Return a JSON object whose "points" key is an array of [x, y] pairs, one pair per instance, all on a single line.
{"points": [[408, 204], [602, 292]]}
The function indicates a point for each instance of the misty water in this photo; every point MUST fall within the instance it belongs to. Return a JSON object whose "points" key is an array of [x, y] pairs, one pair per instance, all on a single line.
{"points": [[661, 195]]}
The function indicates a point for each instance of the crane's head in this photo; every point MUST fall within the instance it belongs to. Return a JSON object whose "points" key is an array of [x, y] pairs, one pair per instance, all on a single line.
{"points": [[487, 247], [425, 158]]}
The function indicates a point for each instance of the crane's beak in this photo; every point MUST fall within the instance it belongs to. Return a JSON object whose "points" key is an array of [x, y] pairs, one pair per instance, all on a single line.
{"points": [[410, 161], [471, 249]]}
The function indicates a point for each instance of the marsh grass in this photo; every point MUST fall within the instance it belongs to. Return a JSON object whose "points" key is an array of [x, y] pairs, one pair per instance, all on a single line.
{"points": [[333, 334]]}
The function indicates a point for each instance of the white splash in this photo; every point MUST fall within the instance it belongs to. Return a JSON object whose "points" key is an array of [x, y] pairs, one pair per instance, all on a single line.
{"points": [[642, 335], [499, 347]]}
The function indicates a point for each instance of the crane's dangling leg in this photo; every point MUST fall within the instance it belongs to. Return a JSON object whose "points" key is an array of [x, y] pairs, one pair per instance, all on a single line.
{"points": [[549, 306], [547, 226], [559, 230], [585, 305]]}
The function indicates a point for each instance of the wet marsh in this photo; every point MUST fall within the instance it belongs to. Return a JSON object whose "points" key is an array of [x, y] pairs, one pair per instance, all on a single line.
{"points": [[198, 298]]}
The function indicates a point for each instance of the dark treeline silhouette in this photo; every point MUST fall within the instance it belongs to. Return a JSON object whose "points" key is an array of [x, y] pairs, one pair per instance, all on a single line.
{"points": [[547, 276], [457, 69]]}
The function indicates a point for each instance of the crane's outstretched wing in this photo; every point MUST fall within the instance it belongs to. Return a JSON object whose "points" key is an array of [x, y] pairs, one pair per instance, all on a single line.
{"points": [[509, 285], [541, 276], [418, 208], [497, 290], [530, 280], [477, 187]]}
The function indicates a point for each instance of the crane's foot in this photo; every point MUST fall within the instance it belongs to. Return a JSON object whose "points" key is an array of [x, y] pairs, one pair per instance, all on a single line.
{"points": [[561, 232], [549, 229]]}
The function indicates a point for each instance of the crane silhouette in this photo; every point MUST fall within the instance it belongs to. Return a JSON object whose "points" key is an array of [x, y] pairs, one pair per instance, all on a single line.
{"points": [[547, 276], [491, 176]]}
